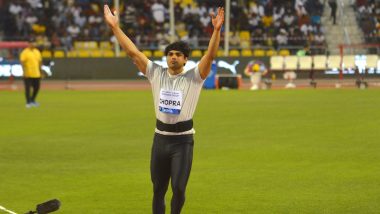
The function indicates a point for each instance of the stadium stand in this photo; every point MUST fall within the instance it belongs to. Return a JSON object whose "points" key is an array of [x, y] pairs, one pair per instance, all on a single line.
{"points": [[196, 53], [271, 52], [109, 53], [46, 54], [112, 54], [320, 62], [234, 53], [276, 63], [349, 61], [305, 63], [79, 25], [291, 63], [147, 53], [158, 53], [333, 62], [372, 61], [368, 17], [96, 53], [246, 53], [59, 54], [259, 52], [258, 27]]}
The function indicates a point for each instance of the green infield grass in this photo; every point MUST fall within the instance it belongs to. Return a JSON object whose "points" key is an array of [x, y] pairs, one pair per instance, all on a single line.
{"points": [[278, 151]]}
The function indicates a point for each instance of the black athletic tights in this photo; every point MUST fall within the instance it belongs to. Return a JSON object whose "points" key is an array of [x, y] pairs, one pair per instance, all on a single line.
{"points": [[171, 159], [33, 83]]}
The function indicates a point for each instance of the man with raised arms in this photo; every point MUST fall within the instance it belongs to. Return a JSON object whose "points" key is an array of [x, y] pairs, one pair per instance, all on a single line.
{"points": [[175, 95]]}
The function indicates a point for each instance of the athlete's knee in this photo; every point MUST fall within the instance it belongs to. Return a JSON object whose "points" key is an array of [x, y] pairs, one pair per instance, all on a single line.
{"points": [[159, 189], [179, 191]]}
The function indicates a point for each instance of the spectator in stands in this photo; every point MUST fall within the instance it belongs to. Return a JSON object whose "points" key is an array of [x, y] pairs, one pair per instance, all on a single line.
{"points": [[243, 24], [289, 18], [319, 40], [258, 37], [300, 7], [267, 20], [303, 19], [268, 15], [269, 39], [192, 39], [30, 19], [161, 40], [334, 6], [306, 29], [178, 11], [80, 20], [278, 15], [256, 8], [360, 3], [202, 9], [31, 62], [129, 17], [67, 41], [35, 3], [15, 8], [55, 41], [235, 40], [42, 42], [73, 30], [368, 25], [255, 22], [305, 51], [158, 11], [205, 20], [95, 19], [282, 38], [188, 10]]}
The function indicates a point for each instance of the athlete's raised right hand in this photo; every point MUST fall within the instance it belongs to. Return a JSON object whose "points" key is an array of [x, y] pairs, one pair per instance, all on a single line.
{"points": [[111, 19]]}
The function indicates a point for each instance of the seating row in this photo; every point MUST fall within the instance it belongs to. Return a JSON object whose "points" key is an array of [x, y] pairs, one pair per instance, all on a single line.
{"points": [[322, 62], [92, 54], [158, 53]]}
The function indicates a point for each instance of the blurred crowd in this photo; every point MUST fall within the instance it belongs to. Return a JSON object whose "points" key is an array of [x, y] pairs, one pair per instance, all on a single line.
{"points": [[271, 23], [368, 16]]}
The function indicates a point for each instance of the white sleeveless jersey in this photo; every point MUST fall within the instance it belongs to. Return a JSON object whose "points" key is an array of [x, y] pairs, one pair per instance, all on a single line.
{"points": [[175, 96]]}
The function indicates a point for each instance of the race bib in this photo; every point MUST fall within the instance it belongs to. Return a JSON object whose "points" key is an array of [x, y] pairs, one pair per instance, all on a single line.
{"points": [[170, 101]]}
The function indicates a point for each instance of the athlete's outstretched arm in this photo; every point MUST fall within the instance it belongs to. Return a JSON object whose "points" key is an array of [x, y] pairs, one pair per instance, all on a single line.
{"points": [[206, 61], [140, 60]]}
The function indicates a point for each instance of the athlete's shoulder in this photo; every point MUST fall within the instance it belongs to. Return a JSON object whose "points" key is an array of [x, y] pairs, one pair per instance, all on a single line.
{"points": [[154, 71], [194, 73], [155, 66]]}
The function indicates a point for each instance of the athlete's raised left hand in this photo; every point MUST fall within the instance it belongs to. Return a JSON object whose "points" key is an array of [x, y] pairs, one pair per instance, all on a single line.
{"points": [[111, 19], [217, 21]]}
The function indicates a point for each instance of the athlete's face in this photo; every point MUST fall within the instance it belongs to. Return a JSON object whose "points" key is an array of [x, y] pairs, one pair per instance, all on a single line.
{"points": [[176, 59]]}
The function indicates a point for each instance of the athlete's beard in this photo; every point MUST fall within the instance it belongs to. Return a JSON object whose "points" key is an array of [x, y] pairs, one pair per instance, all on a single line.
{"points": [[176, 68]]}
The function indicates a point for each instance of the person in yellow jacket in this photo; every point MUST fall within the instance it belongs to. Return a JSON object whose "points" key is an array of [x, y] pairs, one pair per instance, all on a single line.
{"points": [[31, 62]]}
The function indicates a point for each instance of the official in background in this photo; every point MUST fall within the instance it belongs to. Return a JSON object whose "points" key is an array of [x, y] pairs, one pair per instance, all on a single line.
{"points": [[31, 62], [255, 70]]}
